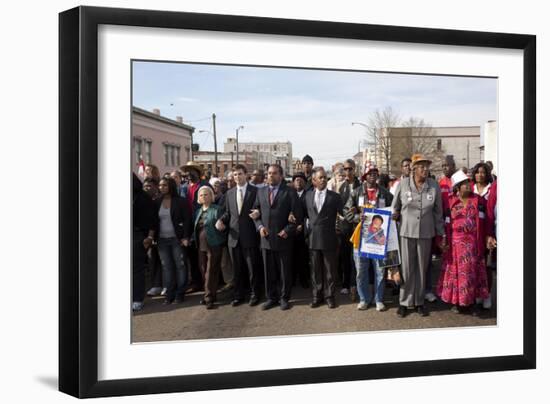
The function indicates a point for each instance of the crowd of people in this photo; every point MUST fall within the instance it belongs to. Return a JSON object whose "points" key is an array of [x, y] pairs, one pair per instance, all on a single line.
{"points": [[260, 235]]}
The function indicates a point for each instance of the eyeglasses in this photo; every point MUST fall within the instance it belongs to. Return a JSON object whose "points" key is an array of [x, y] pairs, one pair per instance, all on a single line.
{"points": [[348, 168]]}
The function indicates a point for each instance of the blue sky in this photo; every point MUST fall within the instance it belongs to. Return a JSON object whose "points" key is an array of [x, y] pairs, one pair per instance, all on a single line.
{"points": [[311, 108]]}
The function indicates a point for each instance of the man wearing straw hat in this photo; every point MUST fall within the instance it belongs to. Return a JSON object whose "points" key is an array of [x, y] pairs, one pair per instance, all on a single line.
{"points": [[418, 206]]}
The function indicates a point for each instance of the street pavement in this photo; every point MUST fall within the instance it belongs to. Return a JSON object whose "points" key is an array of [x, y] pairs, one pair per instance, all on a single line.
{"points": [[190, 320]]}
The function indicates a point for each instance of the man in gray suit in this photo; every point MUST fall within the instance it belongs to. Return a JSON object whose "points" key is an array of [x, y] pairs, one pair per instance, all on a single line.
{"points": [[272, 210], [321, 208], [417, 205]]}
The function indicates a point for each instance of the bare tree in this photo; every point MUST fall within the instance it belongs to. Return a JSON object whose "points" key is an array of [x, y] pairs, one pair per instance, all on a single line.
{"points": [[423, 139], [381, 124]]}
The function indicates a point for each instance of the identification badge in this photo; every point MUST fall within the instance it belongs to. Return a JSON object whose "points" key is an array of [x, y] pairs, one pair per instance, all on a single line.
{"points": [[409, 196], [361, 200], [430, 197], [381, 203], [482, 215], [447, 219]]}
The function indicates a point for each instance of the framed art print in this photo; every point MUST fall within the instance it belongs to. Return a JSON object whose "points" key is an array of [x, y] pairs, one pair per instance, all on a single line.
{"points": [[185, 93]]}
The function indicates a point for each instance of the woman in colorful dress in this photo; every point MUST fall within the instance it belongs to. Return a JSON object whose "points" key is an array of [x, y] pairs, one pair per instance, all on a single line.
{"points": [[463, 278]]}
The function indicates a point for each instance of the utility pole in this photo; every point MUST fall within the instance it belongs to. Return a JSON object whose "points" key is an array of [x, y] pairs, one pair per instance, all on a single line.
{"points": [[215, 145], [237, 141]]}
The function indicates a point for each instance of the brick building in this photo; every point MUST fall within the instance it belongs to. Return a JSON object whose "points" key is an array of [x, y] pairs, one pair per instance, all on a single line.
{"points": [[161, 141]]}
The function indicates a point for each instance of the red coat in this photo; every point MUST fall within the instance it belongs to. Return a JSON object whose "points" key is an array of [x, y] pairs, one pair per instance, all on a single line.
{"points": [[491, 200]]}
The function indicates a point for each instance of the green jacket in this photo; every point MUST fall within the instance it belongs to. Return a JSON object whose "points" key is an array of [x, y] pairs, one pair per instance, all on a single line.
{"points": [[214, 237]]}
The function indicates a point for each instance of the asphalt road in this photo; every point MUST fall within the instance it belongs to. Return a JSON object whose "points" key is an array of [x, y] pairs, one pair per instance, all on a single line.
{"points": [[189, 320]]}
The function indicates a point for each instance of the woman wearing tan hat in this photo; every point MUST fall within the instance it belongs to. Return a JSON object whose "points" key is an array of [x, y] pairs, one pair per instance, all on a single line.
{"points": [[417, 205], [469, 230]]}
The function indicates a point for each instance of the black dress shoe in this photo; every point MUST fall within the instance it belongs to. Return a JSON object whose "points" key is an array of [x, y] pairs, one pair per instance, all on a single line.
{"points": [[179, 300], [401, 311], [202, 302], [422, 311], [253, 301], [284, 304], [314, 304], [269, 304], [331, 304], [236, 302], [475, 311], [209, 305]]}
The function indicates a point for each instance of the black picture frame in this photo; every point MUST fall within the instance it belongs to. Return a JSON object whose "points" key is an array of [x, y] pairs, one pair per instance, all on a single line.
{"points": [[78, 206]]}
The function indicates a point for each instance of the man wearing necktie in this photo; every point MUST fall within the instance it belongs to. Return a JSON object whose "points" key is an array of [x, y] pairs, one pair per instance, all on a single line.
{"points": [[243, 239], [322, 208], [272, 209]]}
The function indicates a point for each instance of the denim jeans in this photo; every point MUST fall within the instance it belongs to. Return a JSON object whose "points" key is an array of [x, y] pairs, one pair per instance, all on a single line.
{"points": [[174, 272], [362, 265]]}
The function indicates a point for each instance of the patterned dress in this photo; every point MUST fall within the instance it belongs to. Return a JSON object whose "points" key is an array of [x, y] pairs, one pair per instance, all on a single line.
{"points": [[463, 278]]}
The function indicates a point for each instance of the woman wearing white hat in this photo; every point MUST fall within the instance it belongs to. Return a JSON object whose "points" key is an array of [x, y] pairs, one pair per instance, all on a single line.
{"points": [[463, 278]]}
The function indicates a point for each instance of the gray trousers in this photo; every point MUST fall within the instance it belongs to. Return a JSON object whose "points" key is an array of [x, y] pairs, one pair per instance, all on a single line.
{"points": [[416, 254], [227, 267]]}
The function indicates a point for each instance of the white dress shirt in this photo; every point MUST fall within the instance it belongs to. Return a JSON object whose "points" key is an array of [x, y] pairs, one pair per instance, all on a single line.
{"points": [[239, 190], [320, 198]]}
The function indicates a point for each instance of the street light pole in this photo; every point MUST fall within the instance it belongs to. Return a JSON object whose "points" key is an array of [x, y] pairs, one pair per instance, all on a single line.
{"points": [[367, 130], [237, 140], [215, 145]]}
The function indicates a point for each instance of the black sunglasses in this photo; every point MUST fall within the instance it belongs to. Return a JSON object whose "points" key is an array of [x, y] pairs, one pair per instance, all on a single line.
{"points": [[348, 168]]}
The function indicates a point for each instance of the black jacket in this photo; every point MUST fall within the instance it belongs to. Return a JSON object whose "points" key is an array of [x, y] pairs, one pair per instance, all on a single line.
{"points": [[346, 190], [242, 229], [321, 229], [179, 213], [143, 209], [275, 217]]}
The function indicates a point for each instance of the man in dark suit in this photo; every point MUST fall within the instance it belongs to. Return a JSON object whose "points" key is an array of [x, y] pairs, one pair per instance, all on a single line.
{"points": [[272, 209], [243, 240], [300, 253], [321, 208]]}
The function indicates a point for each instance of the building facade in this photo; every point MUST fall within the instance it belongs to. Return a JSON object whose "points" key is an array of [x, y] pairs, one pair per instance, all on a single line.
{"points": [[490, 137], [462, 143], [252, 161], [161, 141], [279, 152]]}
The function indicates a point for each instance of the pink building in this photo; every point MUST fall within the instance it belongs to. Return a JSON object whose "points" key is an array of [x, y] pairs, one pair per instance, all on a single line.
{"points": [[159, 140]]}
